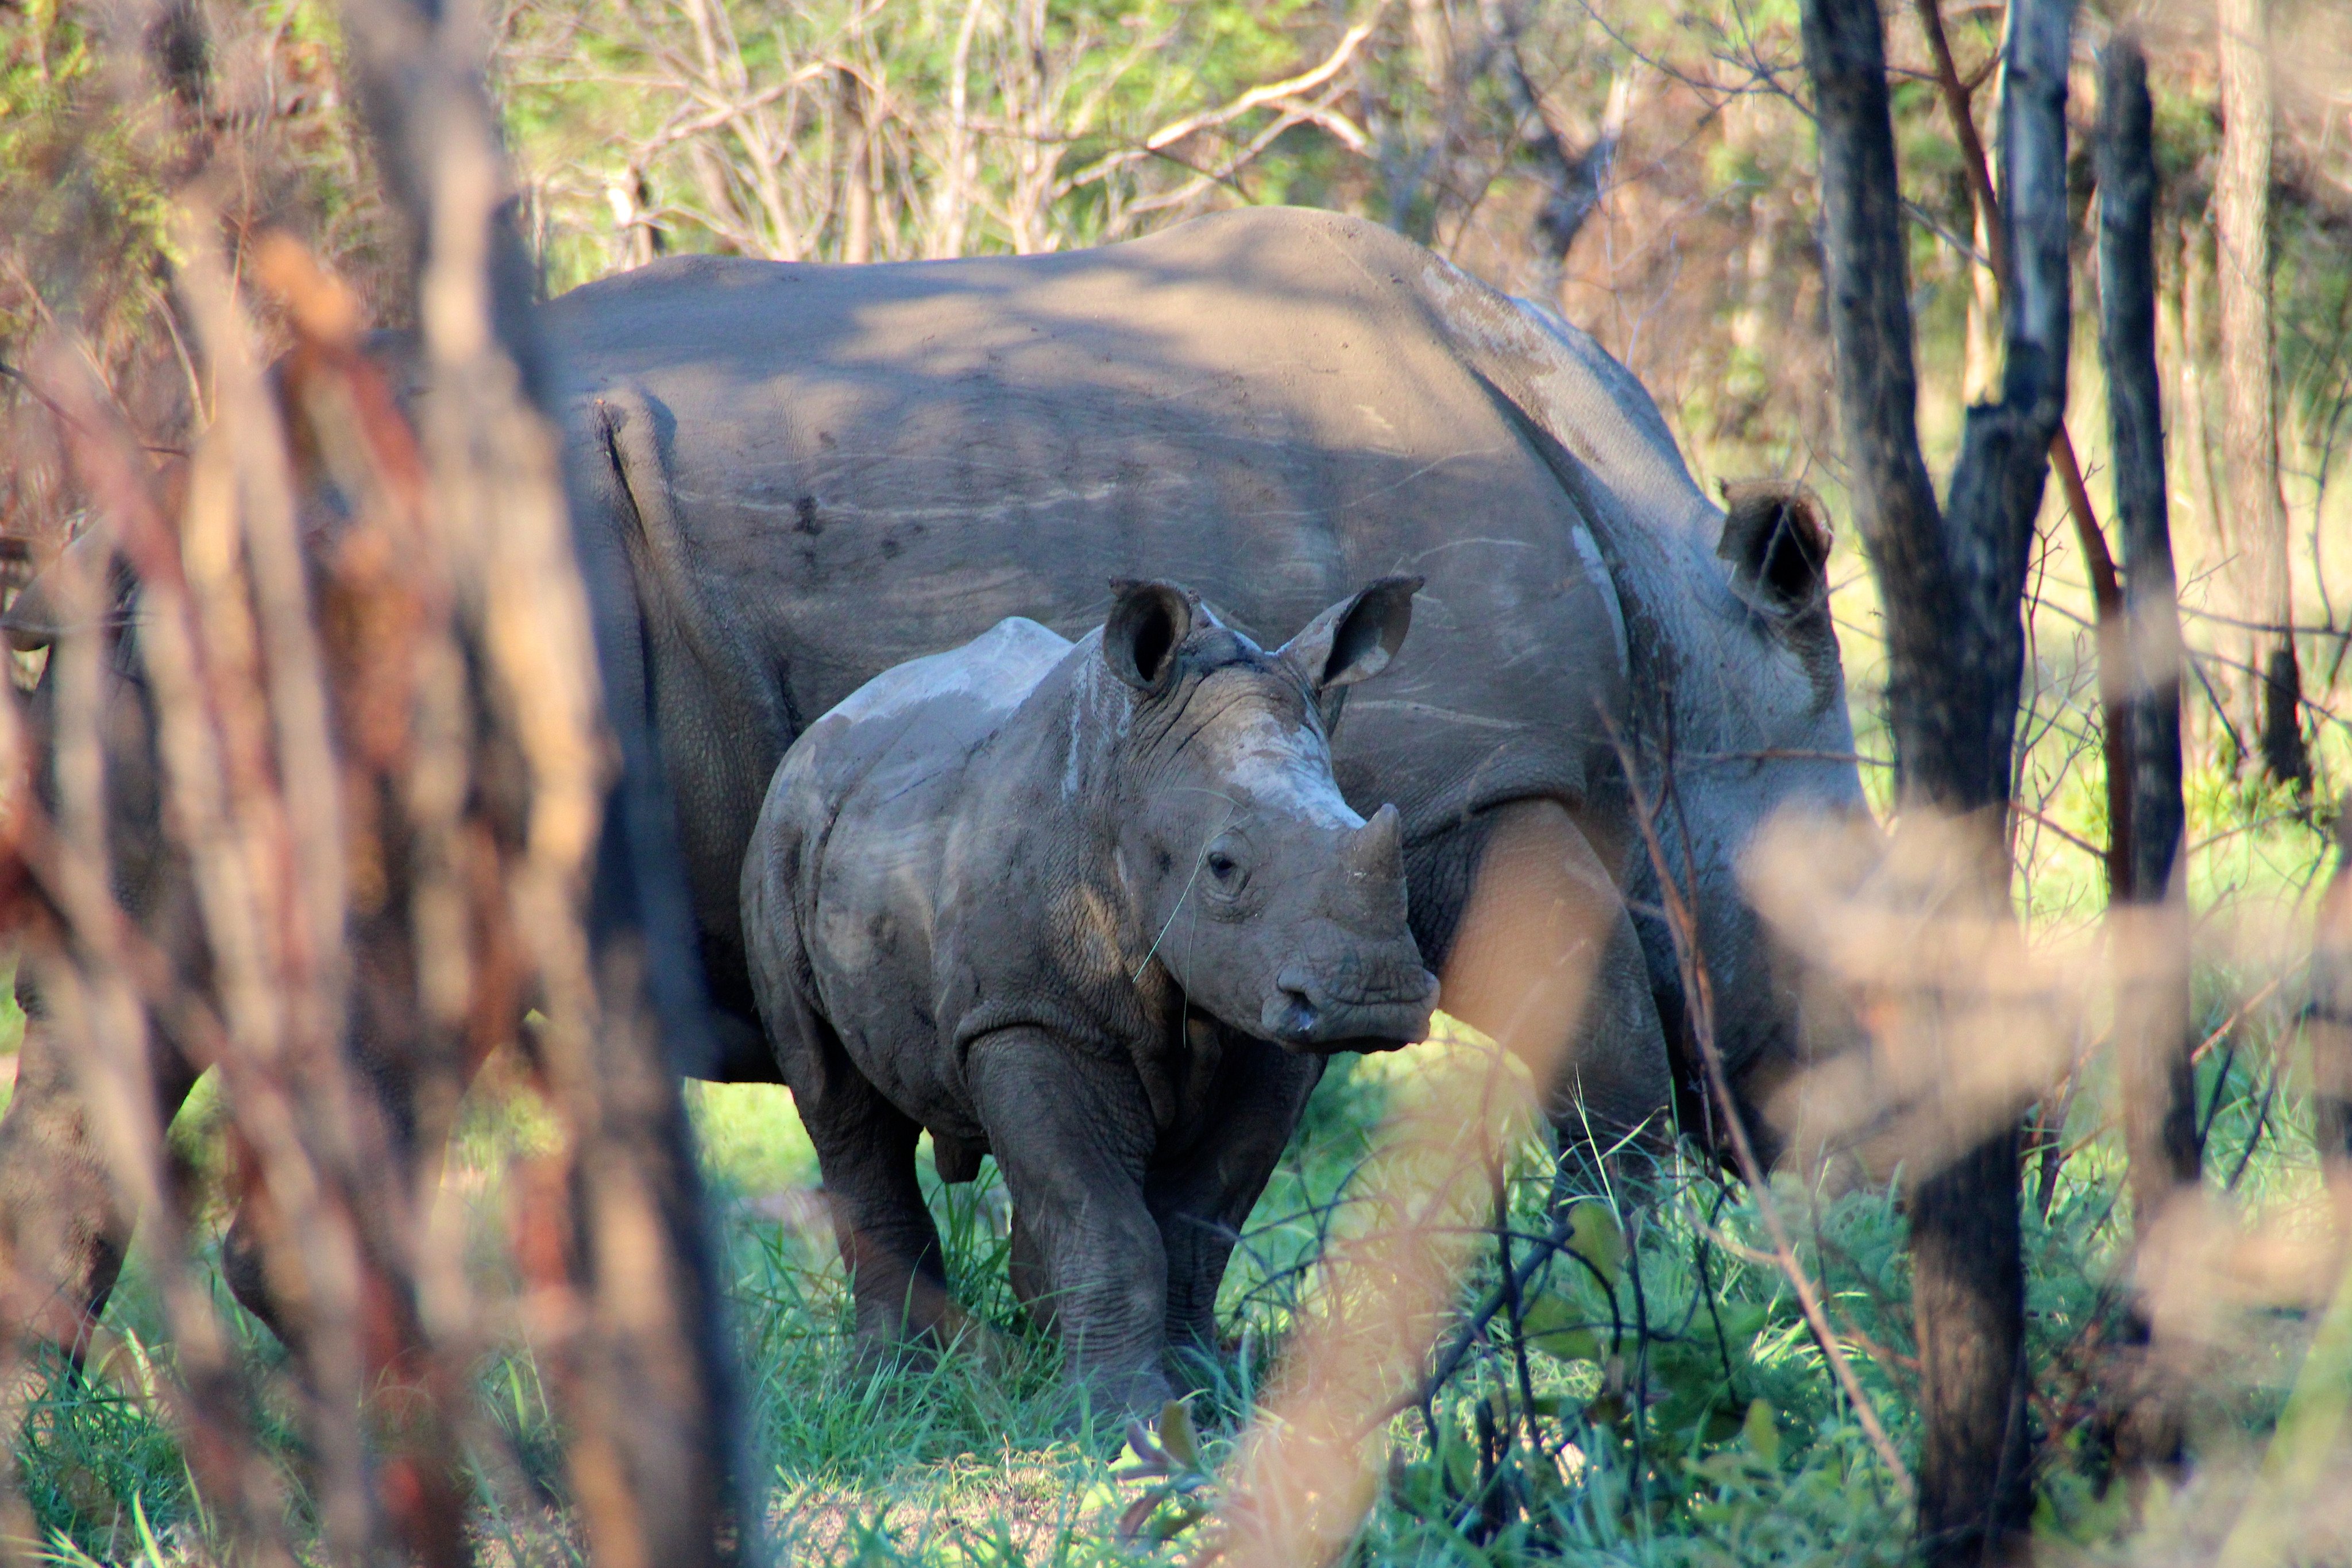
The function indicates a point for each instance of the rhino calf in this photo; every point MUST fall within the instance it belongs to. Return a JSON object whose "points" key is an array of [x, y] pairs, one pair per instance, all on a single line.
{"points": [[1096, 907]]}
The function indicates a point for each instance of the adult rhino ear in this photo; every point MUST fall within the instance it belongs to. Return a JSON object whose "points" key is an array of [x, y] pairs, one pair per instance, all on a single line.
{"points": [[1355, 639], [32, 622], [1778, 544], [1149, 621]]}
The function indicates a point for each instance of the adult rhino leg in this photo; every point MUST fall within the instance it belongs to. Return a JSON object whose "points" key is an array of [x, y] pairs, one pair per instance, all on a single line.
{"points": [[1538, 950], [1201, 1196], [65, 1224], [1074, 1143]]}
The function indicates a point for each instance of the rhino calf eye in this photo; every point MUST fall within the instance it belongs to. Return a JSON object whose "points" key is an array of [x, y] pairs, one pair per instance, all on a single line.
{"points": [[1221, 866]]}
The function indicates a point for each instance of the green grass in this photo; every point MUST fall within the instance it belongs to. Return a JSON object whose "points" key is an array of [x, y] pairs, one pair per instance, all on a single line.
{"points": [[1682, 1414]]}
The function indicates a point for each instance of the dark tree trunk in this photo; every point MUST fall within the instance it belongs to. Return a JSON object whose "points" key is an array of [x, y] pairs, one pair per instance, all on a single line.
{"points": [[1953, 582], [2163, 1147], [1571, 180], [2161, 1108], [2150, 927], [2329, 1026]]}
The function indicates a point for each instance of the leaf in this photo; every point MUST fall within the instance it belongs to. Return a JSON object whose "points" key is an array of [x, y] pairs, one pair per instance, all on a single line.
{"points": [[1139, 1513], [1743, 1321], [1147, 1452], [1553, 1325], [1719, 1423], [1594, 1234], [1177, 1437], [1177, 1521], [1763, 1433]]}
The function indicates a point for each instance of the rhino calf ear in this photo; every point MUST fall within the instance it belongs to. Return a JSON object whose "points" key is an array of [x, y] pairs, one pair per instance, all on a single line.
{"points": [[1149, 621], [1778, 544], [1355, 639]]}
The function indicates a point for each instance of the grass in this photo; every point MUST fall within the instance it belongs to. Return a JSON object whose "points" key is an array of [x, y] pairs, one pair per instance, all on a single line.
{"points": [[1681, 1412]]}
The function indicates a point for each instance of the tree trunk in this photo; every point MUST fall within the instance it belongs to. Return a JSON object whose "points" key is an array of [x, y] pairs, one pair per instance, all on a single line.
{"points": [[2249, 426], [1572, 180], [2160, 1112], [856, 174], [2187, 324], [2151, 927], [2329, 1029], [1953, 584]]}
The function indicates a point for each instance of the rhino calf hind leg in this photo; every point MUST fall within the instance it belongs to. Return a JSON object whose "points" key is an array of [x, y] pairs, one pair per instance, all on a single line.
{"points": [[1201, 1198], [1086, 1252], [887, 1240], [897, 1273]]}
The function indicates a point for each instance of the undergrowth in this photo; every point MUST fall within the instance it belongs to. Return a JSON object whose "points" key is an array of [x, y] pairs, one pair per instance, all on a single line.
{"points": [[1652, 1398]]}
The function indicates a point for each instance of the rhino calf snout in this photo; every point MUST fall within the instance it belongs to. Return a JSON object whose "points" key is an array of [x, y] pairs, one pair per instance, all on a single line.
{"points": [[1308, 1011], [1100, 908]]}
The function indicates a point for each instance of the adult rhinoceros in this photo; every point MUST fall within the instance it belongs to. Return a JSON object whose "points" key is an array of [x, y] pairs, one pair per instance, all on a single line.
{"points": [[808, 475], [820, 471]]}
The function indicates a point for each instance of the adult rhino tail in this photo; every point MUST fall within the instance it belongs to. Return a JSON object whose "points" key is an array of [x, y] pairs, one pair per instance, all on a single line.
{"points": [[686, 679]]}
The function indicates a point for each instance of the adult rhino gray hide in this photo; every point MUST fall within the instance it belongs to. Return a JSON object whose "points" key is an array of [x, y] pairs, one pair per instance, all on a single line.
{"points": [[820, 473]]}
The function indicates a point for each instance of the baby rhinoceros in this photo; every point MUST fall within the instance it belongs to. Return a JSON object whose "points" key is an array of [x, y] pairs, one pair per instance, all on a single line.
{"points": [[1097, 909]]}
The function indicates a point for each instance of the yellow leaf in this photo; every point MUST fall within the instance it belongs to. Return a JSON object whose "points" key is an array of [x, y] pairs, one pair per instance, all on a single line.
{"points": [[1554, 1326], [1594, 1234], [1176, 1434], [1762, 1434]]}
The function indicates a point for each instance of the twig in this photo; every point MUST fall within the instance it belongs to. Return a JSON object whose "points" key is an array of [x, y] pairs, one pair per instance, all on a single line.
{"points": [[2043, 821], [2239, 1014], [2254, 1139], [1699, 986], [1272, 92], [2276, 628]]}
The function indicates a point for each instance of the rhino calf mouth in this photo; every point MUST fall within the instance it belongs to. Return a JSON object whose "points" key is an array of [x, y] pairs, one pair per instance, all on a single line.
{"points": [[1302, 1016]]}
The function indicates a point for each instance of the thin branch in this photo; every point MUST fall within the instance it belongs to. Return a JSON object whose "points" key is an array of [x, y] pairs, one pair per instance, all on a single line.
{"points": [[1699, 986]]}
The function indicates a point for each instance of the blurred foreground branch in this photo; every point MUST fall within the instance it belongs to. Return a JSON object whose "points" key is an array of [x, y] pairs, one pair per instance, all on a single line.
{"points": [[319, 792]]}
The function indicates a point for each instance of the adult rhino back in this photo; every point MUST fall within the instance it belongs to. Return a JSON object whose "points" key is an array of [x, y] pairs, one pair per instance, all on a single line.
{"points": [[822, 471]]}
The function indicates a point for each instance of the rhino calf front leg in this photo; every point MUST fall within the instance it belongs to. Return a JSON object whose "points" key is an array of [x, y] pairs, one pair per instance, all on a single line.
{"points": [[1201, 1196], [1073, 1142]]}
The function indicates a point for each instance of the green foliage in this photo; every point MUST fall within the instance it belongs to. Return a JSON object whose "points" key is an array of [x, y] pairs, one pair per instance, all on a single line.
{"points": [[1681, 1410], [98, 1468], [819, 130], [1182, 1480], [75, 181]]}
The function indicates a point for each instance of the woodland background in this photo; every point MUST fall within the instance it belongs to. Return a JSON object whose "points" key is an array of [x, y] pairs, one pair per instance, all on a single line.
{"points": [[1649, 170]]}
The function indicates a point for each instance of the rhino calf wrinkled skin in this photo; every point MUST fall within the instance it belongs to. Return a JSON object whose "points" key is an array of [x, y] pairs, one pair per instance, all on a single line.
{"points": [[1096, 908]]}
